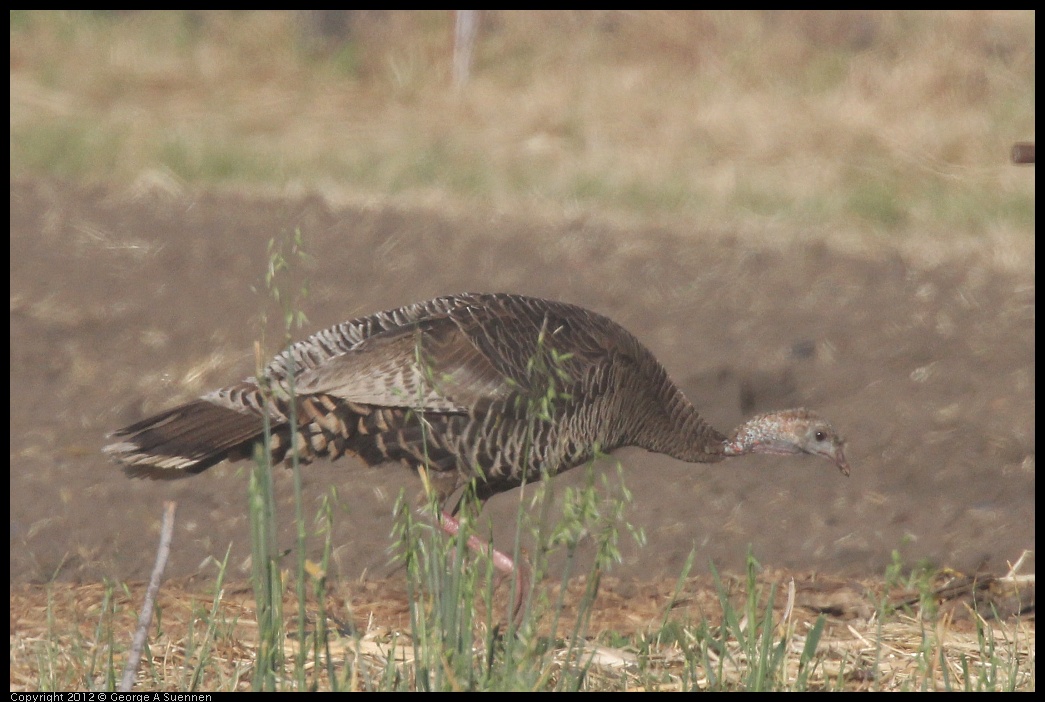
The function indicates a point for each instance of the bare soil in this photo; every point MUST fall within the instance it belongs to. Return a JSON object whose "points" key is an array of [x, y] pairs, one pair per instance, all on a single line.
{"points": [[124, 303]]}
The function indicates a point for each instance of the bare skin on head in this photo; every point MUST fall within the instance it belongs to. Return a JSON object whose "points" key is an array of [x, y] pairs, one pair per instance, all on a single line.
{"points": [[787, 432]]}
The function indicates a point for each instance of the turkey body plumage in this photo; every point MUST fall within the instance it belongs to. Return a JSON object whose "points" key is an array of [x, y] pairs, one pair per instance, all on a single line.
{"points": [[495, 388]]}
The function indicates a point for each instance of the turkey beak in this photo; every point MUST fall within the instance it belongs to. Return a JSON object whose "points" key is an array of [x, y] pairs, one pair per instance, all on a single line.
{"points": [[843, 465]]}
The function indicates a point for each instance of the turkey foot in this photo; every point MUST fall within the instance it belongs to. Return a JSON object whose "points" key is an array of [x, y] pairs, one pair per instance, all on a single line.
{"points": [[501, 561]]}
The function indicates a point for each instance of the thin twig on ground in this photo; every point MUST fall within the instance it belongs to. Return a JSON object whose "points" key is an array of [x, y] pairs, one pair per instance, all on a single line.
{"points": [[130, 670]]}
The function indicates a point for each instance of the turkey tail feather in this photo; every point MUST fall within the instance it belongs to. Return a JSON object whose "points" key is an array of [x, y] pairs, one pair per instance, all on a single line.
{"points": [[190, 437]]}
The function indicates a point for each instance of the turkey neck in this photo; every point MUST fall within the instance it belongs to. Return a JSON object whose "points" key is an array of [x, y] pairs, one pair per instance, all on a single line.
{"points": [[656, 416]]}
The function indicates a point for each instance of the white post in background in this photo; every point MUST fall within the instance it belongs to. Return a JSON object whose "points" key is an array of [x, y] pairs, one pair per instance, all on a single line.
{"points": [[466, 26]]}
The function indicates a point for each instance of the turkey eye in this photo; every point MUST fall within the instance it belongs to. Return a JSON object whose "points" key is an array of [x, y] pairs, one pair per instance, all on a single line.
{"points": [[821, 435]]}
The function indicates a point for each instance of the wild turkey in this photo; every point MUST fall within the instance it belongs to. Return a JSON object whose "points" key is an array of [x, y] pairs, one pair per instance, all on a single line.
{"points": [[490, 388]]}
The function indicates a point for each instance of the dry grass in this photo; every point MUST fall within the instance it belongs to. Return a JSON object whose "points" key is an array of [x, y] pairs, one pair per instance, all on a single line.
{"points": [[840, 124], [644, 638]]}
